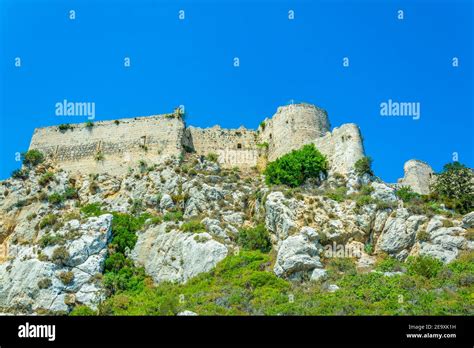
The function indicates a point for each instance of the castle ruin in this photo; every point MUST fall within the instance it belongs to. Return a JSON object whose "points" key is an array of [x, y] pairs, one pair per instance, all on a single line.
{"points": [[114, 146]]}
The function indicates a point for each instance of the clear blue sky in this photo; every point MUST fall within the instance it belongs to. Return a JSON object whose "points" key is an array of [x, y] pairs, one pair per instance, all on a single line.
{"points": [[190, 62]]}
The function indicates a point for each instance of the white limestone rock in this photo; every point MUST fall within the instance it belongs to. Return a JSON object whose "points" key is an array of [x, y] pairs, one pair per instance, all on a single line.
{"points": [[383, 192], [29, 283], [279, 215], [298, 256], [176, 256], [399, 233]]}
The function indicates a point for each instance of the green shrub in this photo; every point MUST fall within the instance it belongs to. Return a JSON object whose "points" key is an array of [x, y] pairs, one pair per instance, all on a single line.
{"points": [[262, 125], [32, 158], [21, 174], [368, 248], [44, 283], [55, 198], [46, 178], [341, 264], [89, 124], [137, 206], [366, 190], [60, 255], [406, 194], [82, 311], [64, 127], [423, 236], [92, 209], [115, 262], [256, 238], [124, 227], [50, 239], [295, 167], [194, 226], [173, 216], [388, 264], [382, 205], [66, 277], [339, 194], [128, 278], [70, 193], [364, 166], [454, 187], [213, 157], [423, 265], [48, 220], [363, 200]]}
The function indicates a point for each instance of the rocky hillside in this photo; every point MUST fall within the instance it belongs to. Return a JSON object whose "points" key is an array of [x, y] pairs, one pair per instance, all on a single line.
{"points": [[187, 237]]}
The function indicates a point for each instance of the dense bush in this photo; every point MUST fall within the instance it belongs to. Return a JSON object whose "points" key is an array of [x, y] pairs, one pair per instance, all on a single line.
{"points": [[120, 272], [32, 158], [424, 265], [364, 166], [256, 238], [455, 186], [295, 167]]}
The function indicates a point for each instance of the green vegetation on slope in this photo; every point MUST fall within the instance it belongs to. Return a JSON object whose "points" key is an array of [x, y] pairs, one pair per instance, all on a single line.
{"points": [[243, 284]]}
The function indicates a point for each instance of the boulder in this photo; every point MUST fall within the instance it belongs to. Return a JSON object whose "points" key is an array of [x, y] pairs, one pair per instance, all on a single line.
{"points": [[176, 256], [399, 233], [298, 256]]}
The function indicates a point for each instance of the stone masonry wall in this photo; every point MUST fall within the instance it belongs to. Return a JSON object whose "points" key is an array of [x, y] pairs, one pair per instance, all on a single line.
{"points": [[122, 143], [234, 147]]}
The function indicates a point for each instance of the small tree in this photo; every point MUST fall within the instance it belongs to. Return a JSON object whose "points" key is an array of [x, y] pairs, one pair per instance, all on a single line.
{"points": [[364, 166], [32, 158], [295, 167], [455, 186]]}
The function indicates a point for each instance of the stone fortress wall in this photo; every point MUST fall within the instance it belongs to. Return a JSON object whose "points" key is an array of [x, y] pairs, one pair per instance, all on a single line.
{"points": [[114, 146], [234, 147], [120, 143]]}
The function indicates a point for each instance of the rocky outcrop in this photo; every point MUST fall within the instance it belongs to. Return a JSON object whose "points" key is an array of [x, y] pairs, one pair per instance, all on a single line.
{"points": [[280, 214], [59, 275], [298, 256], [398, 235], [443, 243], [174, 255]]}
